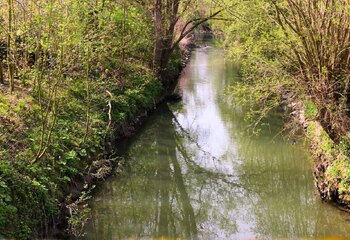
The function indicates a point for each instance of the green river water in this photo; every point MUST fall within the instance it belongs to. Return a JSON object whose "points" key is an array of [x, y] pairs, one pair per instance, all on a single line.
{"points": [[193, 172]]}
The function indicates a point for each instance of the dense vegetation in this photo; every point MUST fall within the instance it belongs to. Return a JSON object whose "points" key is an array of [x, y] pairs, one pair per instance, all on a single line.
{"points": [[298, 50], [71, 74]]}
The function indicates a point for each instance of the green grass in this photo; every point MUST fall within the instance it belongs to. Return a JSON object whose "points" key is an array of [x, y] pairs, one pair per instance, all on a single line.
{"points": [[310, 109], [30, 193]]}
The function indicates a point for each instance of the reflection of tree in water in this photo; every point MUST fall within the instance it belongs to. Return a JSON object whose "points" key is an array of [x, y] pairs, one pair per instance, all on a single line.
{"points": [[285, 205], [166, 194], [176, 188]]}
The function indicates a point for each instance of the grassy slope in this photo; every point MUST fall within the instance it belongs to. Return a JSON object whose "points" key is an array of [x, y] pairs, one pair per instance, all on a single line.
{"points": [[30, 193]]}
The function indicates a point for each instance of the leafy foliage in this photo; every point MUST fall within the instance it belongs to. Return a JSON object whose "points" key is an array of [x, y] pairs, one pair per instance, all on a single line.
{"points": [[254, 41], [295, 46], [71, 59]]}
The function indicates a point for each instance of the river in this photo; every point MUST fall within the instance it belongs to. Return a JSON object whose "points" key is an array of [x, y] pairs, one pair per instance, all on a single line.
{"points": [[193, 172]]}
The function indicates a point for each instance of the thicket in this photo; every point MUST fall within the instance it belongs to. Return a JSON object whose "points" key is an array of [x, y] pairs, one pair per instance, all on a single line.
{"points": [[296, 46], [298, 50]]}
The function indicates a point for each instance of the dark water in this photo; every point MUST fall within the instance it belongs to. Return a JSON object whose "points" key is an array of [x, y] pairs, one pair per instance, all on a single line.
{"points": [[193, 172]]}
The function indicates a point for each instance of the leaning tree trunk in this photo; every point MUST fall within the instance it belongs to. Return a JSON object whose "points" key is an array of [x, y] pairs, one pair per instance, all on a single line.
{"points": [[10, 63], [1, 74], [158, 43]]}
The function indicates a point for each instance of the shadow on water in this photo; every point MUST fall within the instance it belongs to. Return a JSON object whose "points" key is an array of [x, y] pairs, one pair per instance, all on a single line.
{"points": [[151, 199], [154, 197], [193, 172]]}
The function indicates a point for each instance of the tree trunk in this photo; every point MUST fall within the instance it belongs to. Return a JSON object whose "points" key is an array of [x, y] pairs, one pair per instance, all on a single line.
{"points": [[11, 73], [165, 17], [10, 63], [1, 74], [158, 31]]}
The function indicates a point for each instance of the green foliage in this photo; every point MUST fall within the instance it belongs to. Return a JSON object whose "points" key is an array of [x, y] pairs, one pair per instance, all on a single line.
{"points": [[344, 145], [310, 109], [277, 44], [327, 143], [26, 200], [320, 137], [311, 129], [339, 174], [6, 209], [4, 106], [79, 213], [175, 62], [70, 55], [255, 43]]}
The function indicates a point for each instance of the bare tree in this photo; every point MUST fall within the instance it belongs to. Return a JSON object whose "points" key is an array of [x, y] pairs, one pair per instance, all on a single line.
{"points": [[322, 53]]}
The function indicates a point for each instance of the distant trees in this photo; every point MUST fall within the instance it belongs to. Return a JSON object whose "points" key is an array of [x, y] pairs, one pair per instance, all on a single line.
{"points": [[165, 18]]}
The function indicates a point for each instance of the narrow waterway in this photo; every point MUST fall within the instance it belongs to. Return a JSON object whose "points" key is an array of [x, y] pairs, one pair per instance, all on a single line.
{"points": [[193, 172]]}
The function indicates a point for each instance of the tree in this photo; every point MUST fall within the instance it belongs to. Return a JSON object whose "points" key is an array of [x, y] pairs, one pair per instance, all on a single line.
{"points": [[297, 46], [321, 52], [10, 50], [165, 15], [1, 73]]}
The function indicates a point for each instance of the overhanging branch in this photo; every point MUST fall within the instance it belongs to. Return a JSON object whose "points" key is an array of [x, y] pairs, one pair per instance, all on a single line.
{"points": [[197, 22]]}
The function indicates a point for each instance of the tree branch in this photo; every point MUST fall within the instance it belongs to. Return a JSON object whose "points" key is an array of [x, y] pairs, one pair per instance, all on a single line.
{"points": [[197, 22]]}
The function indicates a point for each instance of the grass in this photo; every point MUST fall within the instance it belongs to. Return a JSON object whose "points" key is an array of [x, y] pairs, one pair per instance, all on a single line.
{"points": [[310, 109], [30, 193]]}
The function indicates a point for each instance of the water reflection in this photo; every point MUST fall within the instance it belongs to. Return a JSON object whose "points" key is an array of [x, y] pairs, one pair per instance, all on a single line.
{"points": [[165, 193], [194, 173]]}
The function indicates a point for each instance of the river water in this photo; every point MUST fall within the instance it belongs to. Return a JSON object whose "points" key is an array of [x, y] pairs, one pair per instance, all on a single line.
{"points": [[193, 172]]}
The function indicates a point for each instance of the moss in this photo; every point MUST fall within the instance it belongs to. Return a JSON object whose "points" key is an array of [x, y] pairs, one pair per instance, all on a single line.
{"points": [[334, 171], [310, 109], [326, 143], [319, 137], [311, 129], [339, 174], [344, 144]]}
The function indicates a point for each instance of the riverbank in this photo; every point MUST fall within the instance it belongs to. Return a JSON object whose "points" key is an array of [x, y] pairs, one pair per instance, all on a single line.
{"points": [[34, 194], [283, 55], [80, 150], [331, 167], [76, 209]]}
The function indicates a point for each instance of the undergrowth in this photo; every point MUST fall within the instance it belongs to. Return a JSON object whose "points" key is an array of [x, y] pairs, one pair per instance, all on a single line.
{"points": [[30, 193]]}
